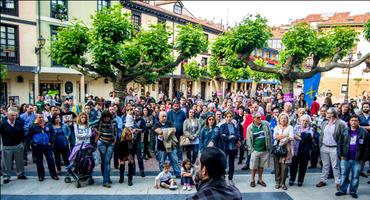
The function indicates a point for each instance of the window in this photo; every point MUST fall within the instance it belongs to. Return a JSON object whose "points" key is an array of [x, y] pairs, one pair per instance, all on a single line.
{"points": [[58, 8], [177, 8], [344, 71], [103, 3], [9, 45], [343, 88], [53, 37], [204, 61], [9, 7], [136, 20], [146, 1]]}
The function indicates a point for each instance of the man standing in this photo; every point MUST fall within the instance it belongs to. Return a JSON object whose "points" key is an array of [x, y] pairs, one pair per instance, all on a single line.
{"points": [[365, 123], [353, 147], [210, 174], [28, 119], [159, 128], [12, 135], [259, 146], [140, 126], [332, 131], [177, 118]]}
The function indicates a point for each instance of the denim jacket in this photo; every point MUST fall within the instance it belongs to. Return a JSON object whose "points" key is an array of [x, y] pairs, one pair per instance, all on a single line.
{"points": [[206, 136]]}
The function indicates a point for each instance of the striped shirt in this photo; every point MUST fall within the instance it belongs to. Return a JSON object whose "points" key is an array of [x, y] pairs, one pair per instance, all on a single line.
{"points": [[107, 131]]}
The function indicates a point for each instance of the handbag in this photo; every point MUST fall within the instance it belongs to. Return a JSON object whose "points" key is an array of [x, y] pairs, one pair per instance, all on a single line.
{"points": [[184, 141], [279, 151]]}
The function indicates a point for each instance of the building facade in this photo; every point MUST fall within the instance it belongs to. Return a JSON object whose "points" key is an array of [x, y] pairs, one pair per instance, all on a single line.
{"points": [[335, 81]]}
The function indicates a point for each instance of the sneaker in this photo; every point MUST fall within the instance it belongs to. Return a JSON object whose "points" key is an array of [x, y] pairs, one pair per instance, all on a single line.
{"points": [[6, 181], [245, 167], [339, 194], [184, 188], [107, 185], [142, 174], [354, 195], [363, 174], [173, 187], [300, 184], [189, 188], [22, 177]]}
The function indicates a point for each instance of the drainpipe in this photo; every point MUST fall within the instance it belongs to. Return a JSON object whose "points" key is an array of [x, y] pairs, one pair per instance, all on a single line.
{"points": [[38, 69]]}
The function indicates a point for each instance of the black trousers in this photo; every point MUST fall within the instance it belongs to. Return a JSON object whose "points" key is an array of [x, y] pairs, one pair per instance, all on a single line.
{"points": [[231, 155], [61, 151], [314, 158], [115, 155], [299, 164], [40, 152]]}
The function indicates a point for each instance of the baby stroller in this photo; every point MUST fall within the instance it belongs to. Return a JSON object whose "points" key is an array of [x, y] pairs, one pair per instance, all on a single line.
{"points": [[82, 165]]}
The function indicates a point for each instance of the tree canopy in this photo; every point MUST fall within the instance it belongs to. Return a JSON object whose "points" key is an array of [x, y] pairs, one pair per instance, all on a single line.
{"points": [[231, 52], [112, 48]]}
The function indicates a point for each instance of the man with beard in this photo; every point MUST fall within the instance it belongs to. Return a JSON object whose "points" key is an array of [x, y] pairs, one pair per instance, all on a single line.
{"points": [[365, 123], [177, 118], [210, 177]]}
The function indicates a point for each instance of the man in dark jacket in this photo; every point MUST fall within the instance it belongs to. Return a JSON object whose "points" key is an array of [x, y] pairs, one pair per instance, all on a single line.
{"points": [[212, 185], [353, 148], [12, 134]]}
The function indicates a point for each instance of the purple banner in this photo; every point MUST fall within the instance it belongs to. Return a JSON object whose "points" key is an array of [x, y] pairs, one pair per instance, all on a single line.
{"points": [[289, 97]]}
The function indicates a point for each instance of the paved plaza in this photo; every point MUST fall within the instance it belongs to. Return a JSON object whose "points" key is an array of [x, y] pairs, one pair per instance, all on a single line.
{"points": [[142, 189]]}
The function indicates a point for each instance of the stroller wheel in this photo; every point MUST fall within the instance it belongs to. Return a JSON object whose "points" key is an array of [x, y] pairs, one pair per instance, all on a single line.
{"points": [[67, 179], [78, 184], [91, 181]]}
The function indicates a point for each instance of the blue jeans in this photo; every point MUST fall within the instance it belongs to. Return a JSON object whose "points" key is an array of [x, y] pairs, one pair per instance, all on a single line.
{"points": [[40, 152], [346, 167], [172, 156], [179, 152], [139, 155], [106, 152]]}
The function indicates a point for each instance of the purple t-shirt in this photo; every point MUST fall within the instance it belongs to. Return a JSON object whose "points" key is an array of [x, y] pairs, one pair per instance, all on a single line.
{"points": [[353, 144]]}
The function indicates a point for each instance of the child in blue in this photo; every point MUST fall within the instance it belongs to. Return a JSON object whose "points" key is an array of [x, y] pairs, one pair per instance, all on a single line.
{"points": [[187, 175]]}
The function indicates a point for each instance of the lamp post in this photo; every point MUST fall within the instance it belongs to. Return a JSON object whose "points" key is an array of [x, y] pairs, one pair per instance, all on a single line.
{"points": [[40, 44], [350, 56]]}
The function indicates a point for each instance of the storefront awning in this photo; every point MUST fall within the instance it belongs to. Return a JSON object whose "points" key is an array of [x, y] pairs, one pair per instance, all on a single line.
{"points": [[245, 81], [59, 70], [18, 68]]}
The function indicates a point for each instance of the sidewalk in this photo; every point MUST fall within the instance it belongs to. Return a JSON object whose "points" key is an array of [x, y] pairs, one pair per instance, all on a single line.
{"points": [[31, 189]]}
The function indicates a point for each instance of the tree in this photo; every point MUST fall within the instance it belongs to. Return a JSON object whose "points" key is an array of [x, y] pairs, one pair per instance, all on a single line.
{"points": [[300, 42], [3, 72], [111, 48], [367, 37]]}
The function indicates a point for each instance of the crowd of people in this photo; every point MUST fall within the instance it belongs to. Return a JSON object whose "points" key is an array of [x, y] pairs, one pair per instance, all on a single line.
{"points": [[247, 130]]}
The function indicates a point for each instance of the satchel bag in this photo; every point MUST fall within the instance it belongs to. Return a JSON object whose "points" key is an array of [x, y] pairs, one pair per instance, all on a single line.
{"points": [[279, 151], [184, 141]]}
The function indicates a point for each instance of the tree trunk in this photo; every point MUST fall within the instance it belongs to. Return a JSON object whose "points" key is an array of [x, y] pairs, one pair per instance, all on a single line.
{"points": [[288, 89], [120, 87]]}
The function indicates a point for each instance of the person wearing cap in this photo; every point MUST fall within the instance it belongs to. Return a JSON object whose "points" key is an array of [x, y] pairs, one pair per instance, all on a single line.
{"points": [[12, 134], [259, 145], [177, 118]]}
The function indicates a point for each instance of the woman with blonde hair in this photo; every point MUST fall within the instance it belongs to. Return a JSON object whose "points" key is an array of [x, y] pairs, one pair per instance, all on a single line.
{"points": [[283, 135], [82, 129]]}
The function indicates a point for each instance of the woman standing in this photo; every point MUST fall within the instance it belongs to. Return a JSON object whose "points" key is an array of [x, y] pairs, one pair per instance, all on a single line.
{"points": [[283, 135], [41, 134], [229, 141], [107, 132], [208, 132], [191, 130], [302, 146], [61, 143], [301, 103], [148, 135], [82, 130]]}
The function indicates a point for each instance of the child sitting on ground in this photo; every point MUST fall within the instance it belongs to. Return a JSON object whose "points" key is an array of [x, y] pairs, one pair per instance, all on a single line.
{"points": [[187, 175], [165, 178]]}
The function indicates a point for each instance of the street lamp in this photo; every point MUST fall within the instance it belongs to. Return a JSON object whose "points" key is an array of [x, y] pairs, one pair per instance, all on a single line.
{"points": [[40, 44]]}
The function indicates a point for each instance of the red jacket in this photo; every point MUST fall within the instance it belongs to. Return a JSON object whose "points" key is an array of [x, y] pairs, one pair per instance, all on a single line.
{"points": [[315, 106], [247, 122]]}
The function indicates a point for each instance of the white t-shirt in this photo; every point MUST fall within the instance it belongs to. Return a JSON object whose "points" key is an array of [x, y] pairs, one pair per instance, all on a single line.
{"points": [[162, 177]]}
